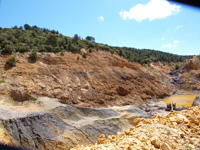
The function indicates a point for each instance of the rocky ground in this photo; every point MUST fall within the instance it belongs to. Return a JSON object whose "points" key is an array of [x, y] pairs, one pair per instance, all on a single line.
{"points": [[177, 130], [59, 102], [101, 80]]}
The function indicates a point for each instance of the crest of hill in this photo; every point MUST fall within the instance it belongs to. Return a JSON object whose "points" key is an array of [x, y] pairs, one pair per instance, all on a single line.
{"points": [[27, 38]]}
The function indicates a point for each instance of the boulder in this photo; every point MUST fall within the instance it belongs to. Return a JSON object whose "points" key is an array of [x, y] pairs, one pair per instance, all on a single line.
{"points": [[122, 91], [20, 94]]}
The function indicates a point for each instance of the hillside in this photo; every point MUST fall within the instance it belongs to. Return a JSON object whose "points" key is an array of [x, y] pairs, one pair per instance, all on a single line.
{"points": [[101, 79], [57, 92], [27, 38]]}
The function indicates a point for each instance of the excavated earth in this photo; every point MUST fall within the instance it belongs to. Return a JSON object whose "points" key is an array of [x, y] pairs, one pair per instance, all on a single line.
{"points": [[101, 80], [59, 102]]}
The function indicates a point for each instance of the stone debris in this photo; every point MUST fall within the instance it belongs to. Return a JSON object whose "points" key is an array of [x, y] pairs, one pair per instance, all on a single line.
{"points": [[177, 130]]}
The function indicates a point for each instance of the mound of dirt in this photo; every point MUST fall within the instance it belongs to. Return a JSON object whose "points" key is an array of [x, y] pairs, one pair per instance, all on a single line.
{"points": [[177, 130]]}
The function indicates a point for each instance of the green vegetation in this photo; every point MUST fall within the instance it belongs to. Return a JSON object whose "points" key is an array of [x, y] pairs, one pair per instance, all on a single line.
{"points": [[84, 55], [11, 61], [176, 65], [62, 53], [29, 38], [2, 81], [33, 55], [90, 38]]}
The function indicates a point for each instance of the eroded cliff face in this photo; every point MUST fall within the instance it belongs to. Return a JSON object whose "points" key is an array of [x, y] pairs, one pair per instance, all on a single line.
{"points": [[102, 79], [177, 130], [189, 75], [48, 125]]}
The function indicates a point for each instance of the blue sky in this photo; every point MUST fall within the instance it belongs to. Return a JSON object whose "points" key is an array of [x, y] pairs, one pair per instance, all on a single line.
{"points": [[152, 24]]}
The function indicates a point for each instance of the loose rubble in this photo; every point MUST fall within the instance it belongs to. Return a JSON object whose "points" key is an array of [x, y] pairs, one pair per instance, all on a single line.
{"points": [[177, 130]]}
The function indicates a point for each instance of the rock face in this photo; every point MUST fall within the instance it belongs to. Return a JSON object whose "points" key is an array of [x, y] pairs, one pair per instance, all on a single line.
{"points": [[34, 130], [62, 126], [189, 75], [101, 80], [177, 130]]}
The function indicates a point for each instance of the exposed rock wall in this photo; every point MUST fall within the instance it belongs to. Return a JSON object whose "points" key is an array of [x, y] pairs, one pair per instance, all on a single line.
{"points": [[101, 80], [62, 126]]}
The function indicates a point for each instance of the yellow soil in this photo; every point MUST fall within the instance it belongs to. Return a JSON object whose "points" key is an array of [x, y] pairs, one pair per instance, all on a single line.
{"points": [[181, 100]]}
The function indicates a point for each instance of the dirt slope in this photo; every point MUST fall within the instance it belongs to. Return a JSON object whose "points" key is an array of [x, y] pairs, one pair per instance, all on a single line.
{"points": [[102, 79]]}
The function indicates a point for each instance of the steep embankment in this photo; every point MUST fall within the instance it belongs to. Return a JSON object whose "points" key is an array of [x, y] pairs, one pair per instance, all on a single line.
{"points": [[177, 130], [101, 79], [48, 125], [189, 75]]}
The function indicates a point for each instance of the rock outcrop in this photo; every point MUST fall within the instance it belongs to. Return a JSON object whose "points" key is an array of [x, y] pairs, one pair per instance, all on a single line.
{"points": [[177, 130], [189, 75], [61, 126]]}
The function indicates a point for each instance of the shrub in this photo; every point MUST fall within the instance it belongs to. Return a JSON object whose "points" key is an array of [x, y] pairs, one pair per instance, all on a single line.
{"points": [[8, 49], [176, 66], [52, 40], [90, 50], [90, 38], [62, 53], [22, 49], [56, 49], [33, 55], [11, 61], [2, 81], [74, 47], [84, 55], [112, 51], [42, 49], [49, 48]]}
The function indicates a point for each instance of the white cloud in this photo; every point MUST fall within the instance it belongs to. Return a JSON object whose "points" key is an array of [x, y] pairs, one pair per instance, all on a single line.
{"points": [[173, 44], [176, 42], [155, 9], [178, 27], [100, 18], [169, 45]]}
